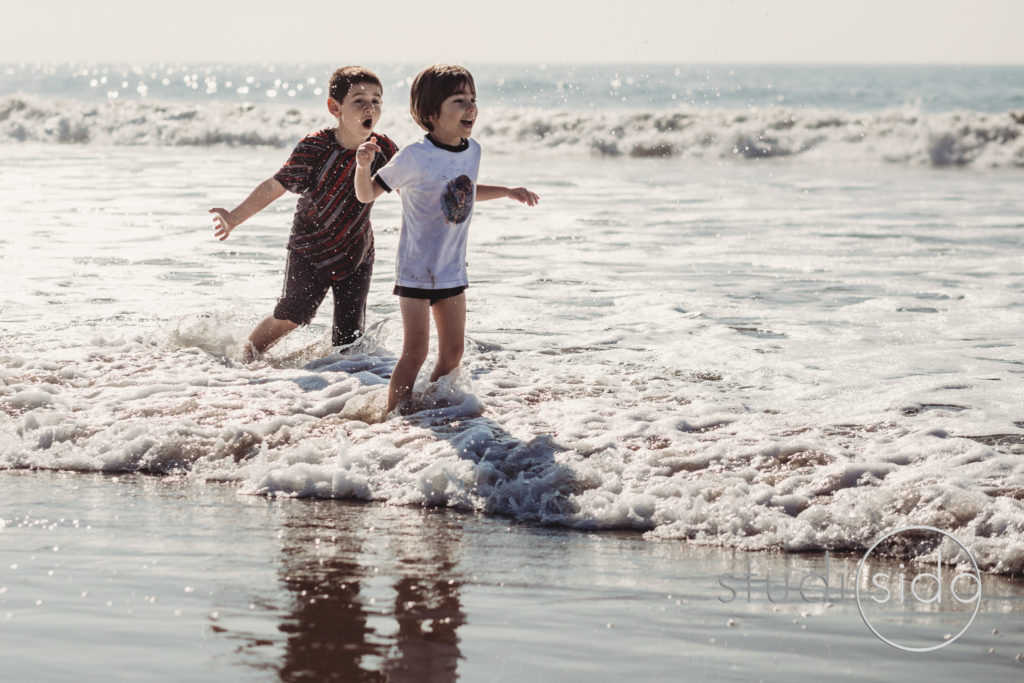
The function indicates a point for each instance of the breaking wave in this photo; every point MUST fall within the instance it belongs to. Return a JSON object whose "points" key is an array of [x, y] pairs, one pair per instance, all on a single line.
{"points": [[901, 136]]}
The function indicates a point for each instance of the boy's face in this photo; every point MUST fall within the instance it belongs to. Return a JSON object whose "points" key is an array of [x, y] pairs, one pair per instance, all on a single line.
{"points": [[358, 113], [456, 118]]}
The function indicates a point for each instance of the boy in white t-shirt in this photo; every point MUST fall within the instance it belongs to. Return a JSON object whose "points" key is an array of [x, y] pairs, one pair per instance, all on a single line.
{"points": [[437, 178]]}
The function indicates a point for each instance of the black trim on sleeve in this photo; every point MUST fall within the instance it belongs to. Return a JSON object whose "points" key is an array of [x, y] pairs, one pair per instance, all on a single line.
{"points": [[380, 181]]}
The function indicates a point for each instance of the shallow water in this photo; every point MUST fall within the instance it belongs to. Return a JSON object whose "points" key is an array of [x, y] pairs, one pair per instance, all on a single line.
{"points": [[772, 308], [131, 576], [753, 355]]}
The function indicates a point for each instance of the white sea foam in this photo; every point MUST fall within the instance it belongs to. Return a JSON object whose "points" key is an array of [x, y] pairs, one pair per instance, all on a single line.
{"points": [[901, 136], [664, 457], [751, 356]]}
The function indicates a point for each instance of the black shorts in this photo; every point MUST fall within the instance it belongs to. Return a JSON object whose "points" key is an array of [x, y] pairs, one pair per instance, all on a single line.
{"points": [[434, 295], [305, 288]]}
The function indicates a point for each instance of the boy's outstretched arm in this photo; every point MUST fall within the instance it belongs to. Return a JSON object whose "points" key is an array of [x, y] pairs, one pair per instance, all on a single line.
{"points": [[366, 189], [226, 221], [520, 194]]}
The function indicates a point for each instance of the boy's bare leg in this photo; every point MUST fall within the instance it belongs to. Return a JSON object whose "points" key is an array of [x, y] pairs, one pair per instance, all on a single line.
{"points": [[266, 335], [450, 318], [415, 344]]}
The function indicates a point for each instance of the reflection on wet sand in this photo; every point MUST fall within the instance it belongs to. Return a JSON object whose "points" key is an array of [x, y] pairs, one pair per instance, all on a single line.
{"points": [[370, 604]]}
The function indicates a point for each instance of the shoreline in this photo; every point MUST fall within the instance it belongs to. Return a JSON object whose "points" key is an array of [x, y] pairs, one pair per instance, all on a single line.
{"points": [[143, 576]]}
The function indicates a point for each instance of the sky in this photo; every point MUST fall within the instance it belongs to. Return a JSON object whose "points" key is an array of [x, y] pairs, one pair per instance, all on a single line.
{"points": [[555, 31]]}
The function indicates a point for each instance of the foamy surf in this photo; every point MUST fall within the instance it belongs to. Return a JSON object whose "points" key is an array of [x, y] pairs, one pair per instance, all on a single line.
{"points": [[608, 457], [756, 356], [903, 136]]}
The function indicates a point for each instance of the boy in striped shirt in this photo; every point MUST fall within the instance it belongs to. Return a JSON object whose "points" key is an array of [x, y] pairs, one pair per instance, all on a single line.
{"points": [[331, 242]]}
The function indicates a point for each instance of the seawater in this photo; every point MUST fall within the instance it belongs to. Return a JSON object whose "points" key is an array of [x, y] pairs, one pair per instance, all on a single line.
{"points": [[688, 337], [939, 88], [906, 115]]}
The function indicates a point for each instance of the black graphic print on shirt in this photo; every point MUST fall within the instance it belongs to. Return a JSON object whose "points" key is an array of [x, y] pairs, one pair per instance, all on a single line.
{"points": [[457, 200]]}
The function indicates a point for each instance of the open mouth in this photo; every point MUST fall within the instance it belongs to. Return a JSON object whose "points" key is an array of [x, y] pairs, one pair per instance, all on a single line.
{"points": [[368, 123], [467, 123]]}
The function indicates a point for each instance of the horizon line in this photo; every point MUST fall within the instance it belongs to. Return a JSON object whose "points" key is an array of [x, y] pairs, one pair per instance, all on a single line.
{"points": [[542, 63]]}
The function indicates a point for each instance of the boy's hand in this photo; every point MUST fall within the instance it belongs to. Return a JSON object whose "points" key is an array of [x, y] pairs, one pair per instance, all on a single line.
{"points": [[521, 194], [366, 152], [224, 223]]}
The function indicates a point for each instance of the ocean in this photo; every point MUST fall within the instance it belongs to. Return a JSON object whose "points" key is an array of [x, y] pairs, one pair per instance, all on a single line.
{"points": [[908, 115], [759, 308]]}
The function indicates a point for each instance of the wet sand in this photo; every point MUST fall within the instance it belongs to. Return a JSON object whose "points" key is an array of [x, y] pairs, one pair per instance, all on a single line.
{"points": [[138, 577]]}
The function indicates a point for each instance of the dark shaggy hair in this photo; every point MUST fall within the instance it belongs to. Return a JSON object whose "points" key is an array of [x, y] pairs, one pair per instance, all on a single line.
{"points": [[433, 86], [344, 78]]}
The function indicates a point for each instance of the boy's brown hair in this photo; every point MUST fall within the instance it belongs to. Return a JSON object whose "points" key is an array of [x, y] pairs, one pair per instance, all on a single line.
{"points": [[344, 78], [433, 86]]}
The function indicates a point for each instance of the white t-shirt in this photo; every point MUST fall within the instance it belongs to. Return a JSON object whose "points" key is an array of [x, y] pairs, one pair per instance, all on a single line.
{"points": [[438, 188]]}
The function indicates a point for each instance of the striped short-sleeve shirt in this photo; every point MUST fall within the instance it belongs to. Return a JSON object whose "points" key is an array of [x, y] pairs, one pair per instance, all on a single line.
{"points": [[331, 229]]}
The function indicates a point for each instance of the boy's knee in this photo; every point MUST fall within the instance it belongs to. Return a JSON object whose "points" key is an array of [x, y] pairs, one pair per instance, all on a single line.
{"points": [[415, 354], [451, 353], [455, 353]]}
